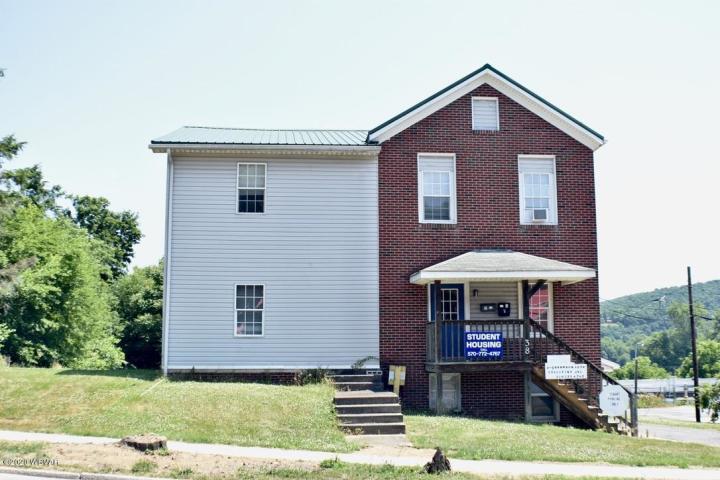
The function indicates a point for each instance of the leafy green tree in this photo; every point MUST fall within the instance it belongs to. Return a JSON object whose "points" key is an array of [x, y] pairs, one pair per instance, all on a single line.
{"points": [[139, 306], [27, 186], [708, 360], [60, 311], [119, 230], [646, 369], [9, 147], [710, 399]]}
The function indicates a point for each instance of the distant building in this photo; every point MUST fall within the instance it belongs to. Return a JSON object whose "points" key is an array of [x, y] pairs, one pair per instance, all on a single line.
{"points": [[608, 365]]}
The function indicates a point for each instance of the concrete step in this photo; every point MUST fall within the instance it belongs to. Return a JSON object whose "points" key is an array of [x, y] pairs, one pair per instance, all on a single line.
{"points": [[369, 408], [354, 386], [368, 418], [365, 397], [374, 428]]}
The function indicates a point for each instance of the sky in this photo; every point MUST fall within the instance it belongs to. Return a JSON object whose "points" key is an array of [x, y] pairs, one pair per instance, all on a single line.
{"points": [[89, 83]]}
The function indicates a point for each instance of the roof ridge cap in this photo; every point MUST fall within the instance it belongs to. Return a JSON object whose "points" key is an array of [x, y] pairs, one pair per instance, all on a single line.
{"points": [[280, 129]]}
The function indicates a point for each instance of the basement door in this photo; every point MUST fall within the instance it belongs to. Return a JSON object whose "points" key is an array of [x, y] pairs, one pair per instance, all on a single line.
{"points": [[452, 307]]}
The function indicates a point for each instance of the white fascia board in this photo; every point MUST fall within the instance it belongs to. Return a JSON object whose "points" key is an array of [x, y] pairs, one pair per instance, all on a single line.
{"points": [[566, 277], [506, 88], [223, 148]]}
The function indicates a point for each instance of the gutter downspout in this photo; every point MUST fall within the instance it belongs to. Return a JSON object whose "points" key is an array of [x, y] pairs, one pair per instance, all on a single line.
{"points": [[167, 262]]}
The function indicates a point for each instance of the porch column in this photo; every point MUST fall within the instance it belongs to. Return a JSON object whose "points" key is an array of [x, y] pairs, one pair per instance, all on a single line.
{"points": [[438, 347]]}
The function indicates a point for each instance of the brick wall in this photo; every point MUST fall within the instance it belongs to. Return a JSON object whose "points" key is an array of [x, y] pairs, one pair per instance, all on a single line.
{"points": [[499, 395], [487, 207]]}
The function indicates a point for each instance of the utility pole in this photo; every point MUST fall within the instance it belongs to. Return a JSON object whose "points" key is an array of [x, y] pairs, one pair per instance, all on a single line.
{"points": [[636, 368], [693, 339]]}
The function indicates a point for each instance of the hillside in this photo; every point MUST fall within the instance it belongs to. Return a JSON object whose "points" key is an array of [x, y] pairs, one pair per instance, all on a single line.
{"points": [[628, 320]]}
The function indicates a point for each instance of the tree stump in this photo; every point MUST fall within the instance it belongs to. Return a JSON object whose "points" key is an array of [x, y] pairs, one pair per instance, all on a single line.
{"points": [[438, 464], [146, 441]]}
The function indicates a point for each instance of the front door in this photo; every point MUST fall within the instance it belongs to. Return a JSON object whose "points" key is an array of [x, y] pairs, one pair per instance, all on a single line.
{"points": [[452, 308]]}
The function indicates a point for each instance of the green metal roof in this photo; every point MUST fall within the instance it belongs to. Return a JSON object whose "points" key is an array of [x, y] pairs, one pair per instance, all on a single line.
{"points": [[250, 136]]}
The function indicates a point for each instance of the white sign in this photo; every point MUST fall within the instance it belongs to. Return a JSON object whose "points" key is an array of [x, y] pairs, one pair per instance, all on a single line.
{"points": [[560, 367], [614, 400]]}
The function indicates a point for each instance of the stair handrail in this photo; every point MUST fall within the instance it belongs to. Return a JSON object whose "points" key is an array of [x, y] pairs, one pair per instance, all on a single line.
{"points": [[559, 341]]}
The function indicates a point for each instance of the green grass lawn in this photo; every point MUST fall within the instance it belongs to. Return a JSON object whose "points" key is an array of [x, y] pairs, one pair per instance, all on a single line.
{"points": [[326, 470], [678, 423], [120, 403], [476, 439]]}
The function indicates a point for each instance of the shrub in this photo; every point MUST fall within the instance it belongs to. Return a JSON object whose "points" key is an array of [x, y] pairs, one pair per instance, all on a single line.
{"points": [[143, 466], [651, 401], [311, 376]]}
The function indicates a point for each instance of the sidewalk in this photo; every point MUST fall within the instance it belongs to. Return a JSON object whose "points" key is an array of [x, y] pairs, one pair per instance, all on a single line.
{"points": [[399, 456]]}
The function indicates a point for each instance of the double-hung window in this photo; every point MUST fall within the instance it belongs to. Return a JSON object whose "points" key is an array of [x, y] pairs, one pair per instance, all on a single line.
{"points": [[538, 191], [251, 187], [249, 310], [541, 306], [436, 188]]}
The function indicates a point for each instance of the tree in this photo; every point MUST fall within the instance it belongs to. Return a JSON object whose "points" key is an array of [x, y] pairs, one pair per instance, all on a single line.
{"points": [[139, 306], [708, 353], [670, 347], [9, 147], [710, 399], [119, 230], [646, 369], [27, 186], [60, 311]]}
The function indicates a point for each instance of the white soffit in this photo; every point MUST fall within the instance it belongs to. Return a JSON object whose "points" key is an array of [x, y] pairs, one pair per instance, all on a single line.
{"points": [[562, 122]]}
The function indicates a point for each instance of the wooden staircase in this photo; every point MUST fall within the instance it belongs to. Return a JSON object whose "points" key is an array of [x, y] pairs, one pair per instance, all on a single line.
{"points": [[581, 397], [362, 408]]}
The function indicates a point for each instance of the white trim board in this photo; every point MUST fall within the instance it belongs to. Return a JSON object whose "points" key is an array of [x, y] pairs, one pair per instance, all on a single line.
{"points": [[566, 278], [573, 129]]}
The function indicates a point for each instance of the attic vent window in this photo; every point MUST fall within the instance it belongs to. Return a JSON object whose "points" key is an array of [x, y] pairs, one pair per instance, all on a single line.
{"points": [[485, 115]]}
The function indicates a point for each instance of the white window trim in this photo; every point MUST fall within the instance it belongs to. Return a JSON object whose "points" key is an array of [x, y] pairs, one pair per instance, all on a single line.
{"points": [[551, 306], [553, 214], [453, 186], [497, 114], [235, 309], [555, 417], [237, 189]]}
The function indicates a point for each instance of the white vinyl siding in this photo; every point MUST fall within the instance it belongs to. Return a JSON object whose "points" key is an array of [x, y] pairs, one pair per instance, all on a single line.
{"points": [[493, 292], [538, 189], [315, 250], [485, 113], [436, 188]]}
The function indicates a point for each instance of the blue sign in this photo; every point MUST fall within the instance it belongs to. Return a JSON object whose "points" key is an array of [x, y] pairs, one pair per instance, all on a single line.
{"points": [[483, 345]]}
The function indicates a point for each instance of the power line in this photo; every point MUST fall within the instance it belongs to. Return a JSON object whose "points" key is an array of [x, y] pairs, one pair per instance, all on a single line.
{"points": [[638, 317]]}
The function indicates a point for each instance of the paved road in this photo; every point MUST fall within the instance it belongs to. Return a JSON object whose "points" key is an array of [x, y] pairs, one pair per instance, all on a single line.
{"points": [[685, 413], [677, 433]]}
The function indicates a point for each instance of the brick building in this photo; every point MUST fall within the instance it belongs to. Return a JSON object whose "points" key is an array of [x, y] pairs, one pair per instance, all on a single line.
{"points": [[470, 213]]}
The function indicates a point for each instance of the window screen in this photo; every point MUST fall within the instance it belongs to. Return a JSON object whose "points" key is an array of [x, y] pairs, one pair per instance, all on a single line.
{"points": [[436, 176], [249, 309], [251, 187], [538, 202]]}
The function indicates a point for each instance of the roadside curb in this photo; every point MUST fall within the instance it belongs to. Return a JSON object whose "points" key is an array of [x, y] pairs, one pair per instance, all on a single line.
{"points": [[32, 472]]}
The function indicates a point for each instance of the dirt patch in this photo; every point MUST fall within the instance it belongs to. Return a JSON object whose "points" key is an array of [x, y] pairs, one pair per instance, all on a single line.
{"points": [[122, 459]]}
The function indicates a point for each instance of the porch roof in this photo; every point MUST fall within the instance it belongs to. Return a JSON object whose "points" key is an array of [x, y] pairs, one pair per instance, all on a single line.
{"points": [[502, 265]]}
